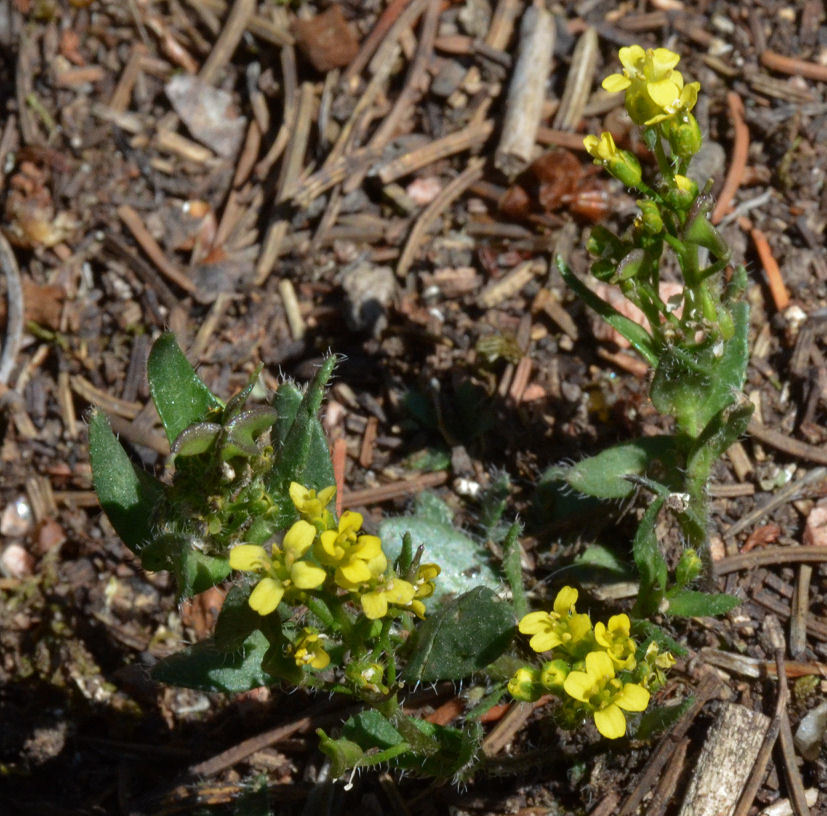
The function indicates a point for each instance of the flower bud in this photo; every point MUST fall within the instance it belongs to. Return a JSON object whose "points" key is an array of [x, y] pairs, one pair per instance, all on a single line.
{"points": [[683, 134], [554, 673], [525, 685], [688, 569], [650, 217], [682, 194]]}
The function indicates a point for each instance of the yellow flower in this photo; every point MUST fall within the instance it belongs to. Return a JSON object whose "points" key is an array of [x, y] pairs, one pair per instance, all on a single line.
{"points": [[652, 670], [605, 695], [282, 570], [620, 163], [358, 558], [308, 650], [423, 587], [312, 506], [390, 590], [615, 639], [563, 626], [654, 89]]}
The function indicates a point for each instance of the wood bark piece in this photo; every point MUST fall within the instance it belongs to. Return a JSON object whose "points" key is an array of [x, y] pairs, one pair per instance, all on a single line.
{"points": [[725, 762], [526, 93]]}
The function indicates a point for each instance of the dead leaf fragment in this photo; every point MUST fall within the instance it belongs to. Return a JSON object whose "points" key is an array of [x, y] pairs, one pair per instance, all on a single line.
{"points": [[209, 113], [327, 39]]}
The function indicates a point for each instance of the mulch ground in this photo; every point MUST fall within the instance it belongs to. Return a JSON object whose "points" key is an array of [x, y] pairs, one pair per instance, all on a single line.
{"points": [[275, 181]]}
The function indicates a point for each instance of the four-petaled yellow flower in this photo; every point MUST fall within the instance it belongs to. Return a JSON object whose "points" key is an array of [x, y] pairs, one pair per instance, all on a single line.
{"points": [[655, 91], [605, 695], [390, 590], [282, 570], [308, 650], [312, 506], [423, 587], [615, 639], [562, 627], [358, 559]]}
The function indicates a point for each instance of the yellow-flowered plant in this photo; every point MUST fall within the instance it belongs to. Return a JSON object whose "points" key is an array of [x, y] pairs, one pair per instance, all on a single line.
{"points": [[592, 670]]}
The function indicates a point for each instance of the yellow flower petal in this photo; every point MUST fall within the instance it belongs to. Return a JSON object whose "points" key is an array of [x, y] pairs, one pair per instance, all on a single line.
{"points": [[567, 596], [418, 608], [535, 622], [298, 494], [367, 547], [326, 494], [330, 547], [619, 623], [579, 685], [321, 659], [377, 565], [350, 522], [631, 56], [543, 641], [663, 59], [298, 538], [374, 605], [663, 93], [307, 576], [399, 592], [249, 558], [614, 83], [599, 665], [610, 722], [355, 571], [633, 697], [266, 596]]}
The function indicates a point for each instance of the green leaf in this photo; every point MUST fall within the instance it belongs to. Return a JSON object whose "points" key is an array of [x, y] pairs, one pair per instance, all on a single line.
{"points": [[206, 667], [688, 603], [513, 569], [639, 338], [195, 571], [659, 718], [604, 476], [464, 562], [128, 496], [463, 637], [196, 439], [236, 621], [694, 387], [180, 396], [303, 456], [244, 428], [649, 561], [645, 631]]}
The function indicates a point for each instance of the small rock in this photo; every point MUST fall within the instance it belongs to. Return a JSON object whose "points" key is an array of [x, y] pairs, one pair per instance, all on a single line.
{"points": [[16, 519], [16, 561], [369, 291], [810, 732], [327, 39], [815, 530]]}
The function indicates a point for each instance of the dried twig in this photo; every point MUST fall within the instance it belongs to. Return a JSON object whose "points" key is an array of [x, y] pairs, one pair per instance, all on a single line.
{"points": [[15, 312], [740, 151], [231, 33], [780, 295], [578, 82], [451, 192], [526, 93]]}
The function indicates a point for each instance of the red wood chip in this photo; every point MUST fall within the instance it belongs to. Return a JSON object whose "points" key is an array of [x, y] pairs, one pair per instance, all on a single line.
{"points": [[326, 39]]}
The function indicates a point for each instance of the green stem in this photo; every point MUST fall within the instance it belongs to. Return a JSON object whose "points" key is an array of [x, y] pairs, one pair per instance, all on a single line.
{"points": [[663, 162]]}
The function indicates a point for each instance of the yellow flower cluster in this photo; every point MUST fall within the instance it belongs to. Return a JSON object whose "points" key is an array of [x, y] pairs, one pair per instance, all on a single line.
{"points": [[317, 553], [593, 669], [655, 95], [655, 91]]}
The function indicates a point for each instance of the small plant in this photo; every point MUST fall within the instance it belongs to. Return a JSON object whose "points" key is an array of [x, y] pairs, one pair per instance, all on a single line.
{"points": [[314, 601]]}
